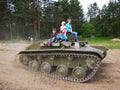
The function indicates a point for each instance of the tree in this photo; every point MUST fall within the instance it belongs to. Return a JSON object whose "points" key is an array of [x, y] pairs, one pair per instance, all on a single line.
{"points": [[93, 14], [105, 21], [76, 12], [93, 10], [5, 15], [64, 9], [3, 10], [88, 29], [28, 18], [110, 19], [28, 12]]}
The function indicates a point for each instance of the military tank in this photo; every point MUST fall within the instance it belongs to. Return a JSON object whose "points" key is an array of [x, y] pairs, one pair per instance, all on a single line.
{"points": [[67, 60]]}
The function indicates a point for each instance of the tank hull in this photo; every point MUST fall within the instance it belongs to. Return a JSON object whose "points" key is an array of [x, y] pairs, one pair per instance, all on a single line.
{"points": [[78, 64]]}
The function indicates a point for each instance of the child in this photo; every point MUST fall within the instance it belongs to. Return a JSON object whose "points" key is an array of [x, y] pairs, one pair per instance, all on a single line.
{"points": [[69, 29], [53, 37], [63, 31]]}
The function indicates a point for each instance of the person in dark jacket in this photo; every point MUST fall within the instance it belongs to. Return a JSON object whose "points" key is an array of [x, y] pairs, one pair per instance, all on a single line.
{"points": [[53, 37]]}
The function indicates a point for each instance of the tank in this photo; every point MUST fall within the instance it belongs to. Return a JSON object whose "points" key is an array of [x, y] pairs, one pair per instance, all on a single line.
{"points": [[67, 60]]}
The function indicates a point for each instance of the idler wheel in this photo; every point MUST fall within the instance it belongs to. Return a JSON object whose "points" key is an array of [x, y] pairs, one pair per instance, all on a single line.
{"points": [[78, 72], [45, 67], [91, 63], [24, 59], [62, 70], [34, 66]]}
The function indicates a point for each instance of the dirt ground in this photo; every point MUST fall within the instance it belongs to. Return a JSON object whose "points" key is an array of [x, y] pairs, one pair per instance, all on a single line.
{"points": [[13, 77]]}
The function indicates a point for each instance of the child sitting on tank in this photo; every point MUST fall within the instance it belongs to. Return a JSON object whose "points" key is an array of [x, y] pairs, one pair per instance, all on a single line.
{"points": [[69, 29], [62, 35], [52, 39], [63, 31]]}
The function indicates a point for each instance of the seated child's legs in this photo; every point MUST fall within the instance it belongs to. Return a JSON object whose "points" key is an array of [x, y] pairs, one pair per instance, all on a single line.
{"points": [[64, 38], [76, 35], [59, 37], [52, 40], [47, 43]]}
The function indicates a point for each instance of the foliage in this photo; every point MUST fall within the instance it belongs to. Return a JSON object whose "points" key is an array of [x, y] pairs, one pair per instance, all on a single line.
{"points": [[107, 20], [29, 18], [88, 29], [61, 11], [93, 10], [3, 49]]}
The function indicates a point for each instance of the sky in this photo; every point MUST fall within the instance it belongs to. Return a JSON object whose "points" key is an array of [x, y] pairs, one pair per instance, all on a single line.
{"points": [[86, 3]]}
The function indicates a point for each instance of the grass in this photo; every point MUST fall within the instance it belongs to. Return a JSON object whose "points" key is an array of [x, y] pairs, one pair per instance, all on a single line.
{"points": [[104, 41], [14, 41], [92, 41], [3, 49]]}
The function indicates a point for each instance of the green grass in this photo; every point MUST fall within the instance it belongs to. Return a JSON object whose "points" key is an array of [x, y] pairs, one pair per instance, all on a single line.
{"points": [[104, 41], [3, 49], [92, 41], [14, 41]]}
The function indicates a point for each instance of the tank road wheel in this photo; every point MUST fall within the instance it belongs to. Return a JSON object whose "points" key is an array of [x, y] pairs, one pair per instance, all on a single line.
{"points": [[34, 66], [62, 70], [24, 59], [45, 67], [91, 63], [78, 72]]}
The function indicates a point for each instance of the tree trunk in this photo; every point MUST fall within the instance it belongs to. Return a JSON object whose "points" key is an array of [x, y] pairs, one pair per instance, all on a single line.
{"points": [[38, 23], [35, 27]]}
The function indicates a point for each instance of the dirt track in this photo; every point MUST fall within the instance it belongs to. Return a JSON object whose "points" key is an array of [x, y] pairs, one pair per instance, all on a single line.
{"points": [[13, 77]]}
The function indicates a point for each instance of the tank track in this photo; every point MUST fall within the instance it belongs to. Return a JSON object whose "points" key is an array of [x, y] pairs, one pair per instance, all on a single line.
{"points": [[70, 78]]}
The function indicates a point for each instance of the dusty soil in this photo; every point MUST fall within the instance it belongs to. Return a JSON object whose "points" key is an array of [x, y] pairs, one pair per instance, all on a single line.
{"points": [[14, 77], [115, 39]]}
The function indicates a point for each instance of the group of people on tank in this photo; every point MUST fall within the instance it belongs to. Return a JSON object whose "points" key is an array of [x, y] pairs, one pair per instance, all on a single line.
{"points": [[64, 28]]}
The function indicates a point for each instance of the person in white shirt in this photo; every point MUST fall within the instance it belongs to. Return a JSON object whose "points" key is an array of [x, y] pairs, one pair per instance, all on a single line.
{"points": [[63, 31]]}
